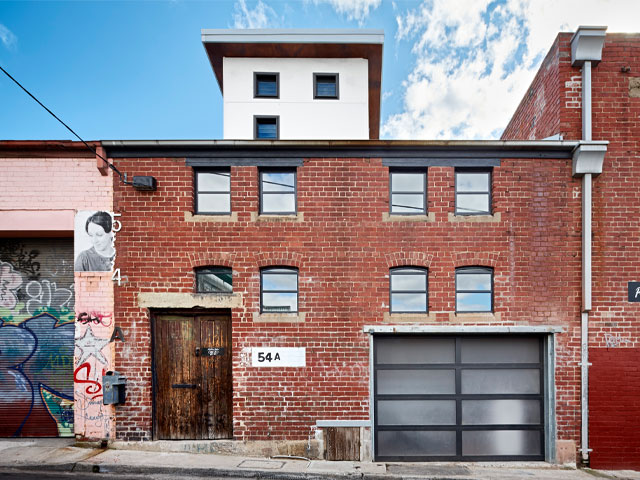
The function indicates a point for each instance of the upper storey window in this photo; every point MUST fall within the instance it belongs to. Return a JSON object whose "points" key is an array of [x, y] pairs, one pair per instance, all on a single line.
{"points": [[213, 192], [267, 127], [266, 85], [325, 85], [474, 289], [407, 193], [473, 191], [278, 191], [214, 280]]}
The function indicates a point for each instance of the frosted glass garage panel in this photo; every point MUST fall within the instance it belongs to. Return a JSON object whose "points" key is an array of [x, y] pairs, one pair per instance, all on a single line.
{"points": [[416, 412], [412, 443], [500, 412], [516, 381], [412, 350], [501, 442], [500, 350], [415, 382]]}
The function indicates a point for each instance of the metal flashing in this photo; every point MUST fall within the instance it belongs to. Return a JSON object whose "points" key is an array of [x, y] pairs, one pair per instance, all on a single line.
{"points": [[361, 36], [461, 329]]}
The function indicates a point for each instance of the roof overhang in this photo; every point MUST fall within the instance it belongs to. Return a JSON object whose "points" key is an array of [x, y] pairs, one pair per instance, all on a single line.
{"points": [[389, 149], [367, 44]]}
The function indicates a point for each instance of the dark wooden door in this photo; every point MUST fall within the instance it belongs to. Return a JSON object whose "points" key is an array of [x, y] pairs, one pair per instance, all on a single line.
{"points": [[192, 361]]}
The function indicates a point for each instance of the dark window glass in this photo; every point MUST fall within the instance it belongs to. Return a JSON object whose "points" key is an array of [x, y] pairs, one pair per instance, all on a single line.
{"points": [[266, 127], [407, 192], [278, 191], [325, 85], [278, 290], [214, 280], [408, 290], [266, 85], [474, 289], [473, 192], [213, 192]]}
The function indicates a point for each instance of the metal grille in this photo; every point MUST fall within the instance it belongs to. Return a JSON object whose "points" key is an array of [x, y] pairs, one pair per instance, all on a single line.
{"points": [[458, 398], [36, 337]]}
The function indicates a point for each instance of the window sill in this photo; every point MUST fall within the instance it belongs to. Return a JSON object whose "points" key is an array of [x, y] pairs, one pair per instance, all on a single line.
{"points": [[408, 318], [190, 217], [390, 217], [278, 317], [255, 217], [496, 217], [488, 317]]}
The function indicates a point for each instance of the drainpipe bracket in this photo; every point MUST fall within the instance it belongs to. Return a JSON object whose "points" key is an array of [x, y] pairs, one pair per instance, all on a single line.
{"points": [[588, 157], [588, 364]]}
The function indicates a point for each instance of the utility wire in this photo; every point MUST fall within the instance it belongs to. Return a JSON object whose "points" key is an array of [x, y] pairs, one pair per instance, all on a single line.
{"points": [[110, 165]]}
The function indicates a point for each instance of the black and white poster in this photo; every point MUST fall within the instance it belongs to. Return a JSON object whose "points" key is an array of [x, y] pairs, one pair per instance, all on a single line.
{"points": [[94, 248]]}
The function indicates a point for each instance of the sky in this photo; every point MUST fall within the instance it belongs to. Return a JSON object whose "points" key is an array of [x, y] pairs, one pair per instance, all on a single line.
{"points": [[125, 70]]}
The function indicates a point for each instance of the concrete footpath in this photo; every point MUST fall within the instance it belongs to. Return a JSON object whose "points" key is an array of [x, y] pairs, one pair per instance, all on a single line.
{"points": [[61, 455]]}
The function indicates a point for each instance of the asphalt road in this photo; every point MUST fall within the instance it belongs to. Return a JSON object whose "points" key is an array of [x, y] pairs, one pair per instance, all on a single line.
{"points": [[26, 475]]}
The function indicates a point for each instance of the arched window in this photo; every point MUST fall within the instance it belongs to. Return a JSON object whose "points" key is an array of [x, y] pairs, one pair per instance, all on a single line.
{"points": [[408, 290], [474, 289], [278, 290], [214, 280]]}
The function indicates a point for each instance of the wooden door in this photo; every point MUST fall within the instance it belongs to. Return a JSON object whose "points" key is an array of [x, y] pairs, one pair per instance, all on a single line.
{"points": [[192, 371]]}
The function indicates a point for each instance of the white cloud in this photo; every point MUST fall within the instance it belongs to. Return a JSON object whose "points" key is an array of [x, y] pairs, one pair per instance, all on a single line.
{"points": [[353, 9], [474, 59], [7, 37], [260, 16]]}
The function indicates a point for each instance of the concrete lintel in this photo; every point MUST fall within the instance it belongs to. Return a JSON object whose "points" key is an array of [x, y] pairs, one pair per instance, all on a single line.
{"points": [[462, 329], [588, 157], [189, 300], [586, 45], [342, 423]]}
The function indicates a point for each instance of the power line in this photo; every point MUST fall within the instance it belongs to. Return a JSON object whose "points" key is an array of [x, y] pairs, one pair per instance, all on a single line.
{"points": [[110, 165]]}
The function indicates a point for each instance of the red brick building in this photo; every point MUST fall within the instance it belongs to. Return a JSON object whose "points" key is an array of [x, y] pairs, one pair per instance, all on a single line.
{"points": [[552, 107]]}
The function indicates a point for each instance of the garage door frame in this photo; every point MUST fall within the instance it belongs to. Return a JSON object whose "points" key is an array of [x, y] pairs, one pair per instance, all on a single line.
{"points": [[548, 355]]}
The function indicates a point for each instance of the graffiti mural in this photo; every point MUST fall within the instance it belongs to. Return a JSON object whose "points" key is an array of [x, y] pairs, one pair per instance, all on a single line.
{"points": [[36, 337]]}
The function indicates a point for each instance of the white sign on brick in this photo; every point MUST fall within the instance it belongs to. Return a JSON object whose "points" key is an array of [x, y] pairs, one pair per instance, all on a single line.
{"points": [[278, 357]]}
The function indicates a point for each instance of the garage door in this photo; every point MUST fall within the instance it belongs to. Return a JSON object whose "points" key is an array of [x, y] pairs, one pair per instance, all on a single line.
{"points": [[458, 398], [36, 337]]}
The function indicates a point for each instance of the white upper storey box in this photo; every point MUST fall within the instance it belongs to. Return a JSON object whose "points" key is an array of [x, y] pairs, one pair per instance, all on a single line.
{"points": [[298, 84]]}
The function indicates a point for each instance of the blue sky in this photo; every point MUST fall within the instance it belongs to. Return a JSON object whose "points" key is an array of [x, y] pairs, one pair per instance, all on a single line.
{"points": [[137, 69]]}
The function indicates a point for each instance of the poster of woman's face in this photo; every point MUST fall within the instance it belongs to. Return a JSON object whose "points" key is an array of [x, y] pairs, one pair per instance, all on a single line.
{"points": [[94, 241]]}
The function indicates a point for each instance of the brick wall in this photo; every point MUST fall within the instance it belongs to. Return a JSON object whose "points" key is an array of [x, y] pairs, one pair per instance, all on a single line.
{"points": [[343, 250], [53, 184], [614, 321]]}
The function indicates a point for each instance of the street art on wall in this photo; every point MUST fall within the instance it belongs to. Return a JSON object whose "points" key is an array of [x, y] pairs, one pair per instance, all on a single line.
{"points": [[94, 241], [36, 337]]}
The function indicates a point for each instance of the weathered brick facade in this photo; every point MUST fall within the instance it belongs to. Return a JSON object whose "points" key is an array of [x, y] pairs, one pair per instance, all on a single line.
{"points": [[343, 244], [614, 326]]}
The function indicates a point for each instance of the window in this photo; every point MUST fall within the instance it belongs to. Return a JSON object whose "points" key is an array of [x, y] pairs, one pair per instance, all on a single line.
{"points": [[267, 127], [213, 192], [278, 191], [407, 192], [325, 85], [408, 288], [214, 280], [473, 192], [278, 290], [474, 289], [266, 85]]}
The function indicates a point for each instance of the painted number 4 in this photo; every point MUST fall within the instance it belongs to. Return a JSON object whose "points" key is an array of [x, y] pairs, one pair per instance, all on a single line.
{"points": [[116, 276], [262, 357]]}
